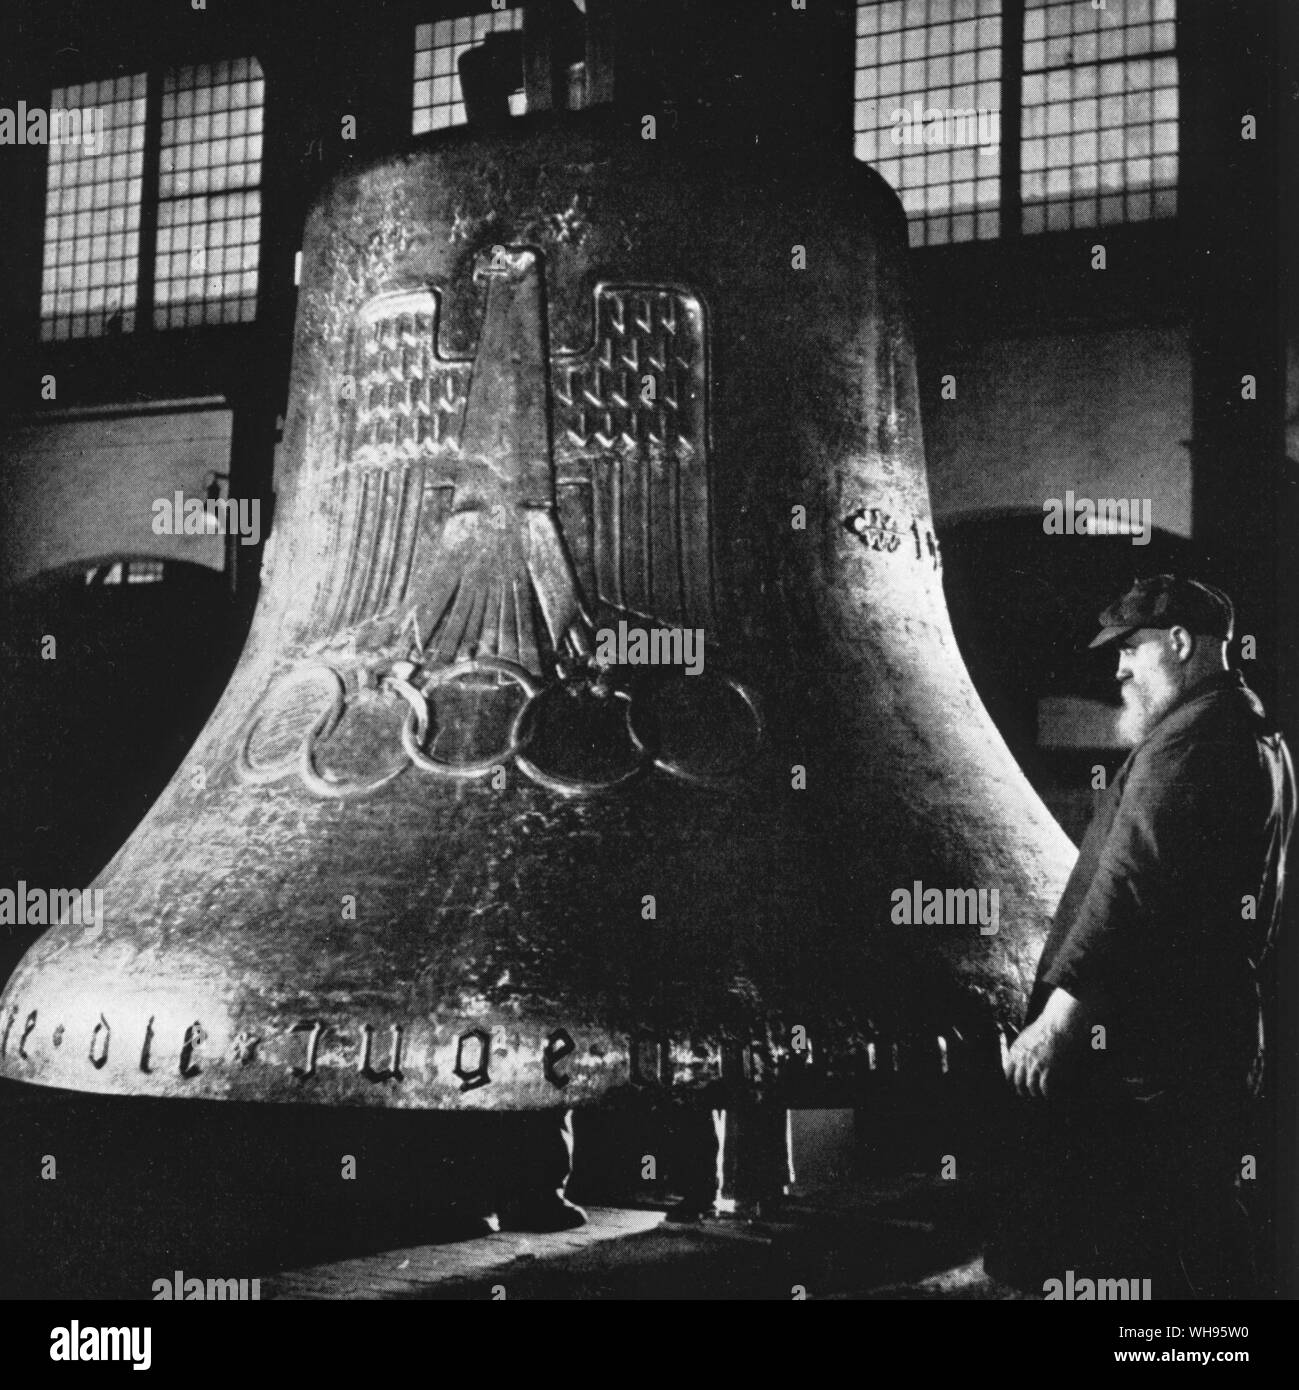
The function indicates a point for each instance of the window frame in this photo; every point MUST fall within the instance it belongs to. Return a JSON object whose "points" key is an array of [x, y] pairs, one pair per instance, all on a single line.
{"points": [[515, 10], [1010, 205], [155, 74]]}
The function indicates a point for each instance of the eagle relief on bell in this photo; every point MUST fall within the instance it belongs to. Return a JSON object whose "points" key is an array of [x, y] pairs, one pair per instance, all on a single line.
{"points": [[458, 573], [442, 844]]}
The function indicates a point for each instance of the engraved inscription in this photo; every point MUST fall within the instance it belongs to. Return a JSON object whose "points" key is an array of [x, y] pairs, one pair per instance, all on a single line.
{"points": [[876, 529], [879, 530], [28, 1028], [99, 1043], [390, 1073], [245, 1048], [558, 1046], [645, 1056], [194, 1037], [476, 1044], [313, 1031]]}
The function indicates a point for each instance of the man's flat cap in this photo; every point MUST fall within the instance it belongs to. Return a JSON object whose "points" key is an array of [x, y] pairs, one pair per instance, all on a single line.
{"points": [[1167, 601]]}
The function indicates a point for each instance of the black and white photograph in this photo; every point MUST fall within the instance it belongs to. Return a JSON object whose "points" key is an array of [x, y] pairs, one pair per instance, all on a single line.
{"points": [[647, 654]]}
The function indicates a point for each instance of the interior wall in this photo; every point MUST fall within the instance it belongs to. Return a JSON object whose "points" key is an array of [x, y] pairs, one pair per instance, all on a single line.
{"points": [[75, 488], [1101, 413]]}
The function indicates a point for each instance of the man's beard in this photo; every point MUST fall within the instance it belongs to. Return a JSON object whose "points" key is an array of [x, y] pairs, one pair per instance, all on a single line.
{"points": [[1141, 711]]}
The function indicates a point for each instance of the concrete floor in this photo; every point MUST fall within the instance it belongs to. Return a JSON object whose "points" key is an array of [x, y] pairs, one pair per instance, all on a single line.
{"points": [[145, 1188], [900, 1241]]}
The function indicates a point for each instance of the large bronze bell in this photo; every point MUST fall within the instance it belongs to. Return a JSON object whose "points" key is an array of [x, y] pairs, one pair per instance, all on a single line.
{"points": [[601, 695]]}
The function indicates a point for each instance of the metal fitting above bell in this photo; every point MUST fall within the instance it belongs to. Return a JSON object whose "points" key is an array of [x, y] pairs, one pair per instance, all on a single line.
{"points": [[601, 694]]}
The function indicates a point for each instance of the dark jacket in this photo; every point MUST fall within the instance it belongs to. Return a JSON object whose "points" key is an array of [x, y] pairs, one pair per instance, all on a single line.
{"points": [[1153, 932]]}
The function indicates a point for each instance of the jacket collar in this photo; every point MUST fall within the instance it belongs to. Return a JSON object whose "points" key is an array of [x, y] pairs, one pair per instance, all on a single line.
{"points": [[1191, 703], [1189, 706]]}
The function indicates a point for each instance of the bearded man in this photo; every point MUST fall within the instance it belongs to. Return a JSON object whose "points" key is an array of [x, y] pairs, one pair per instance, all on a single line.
{"points": [[1144, 1042]]}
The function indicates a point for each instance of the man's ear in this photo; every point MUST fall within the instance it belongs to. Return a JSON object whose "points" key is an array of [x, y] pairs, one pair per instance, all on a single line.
{"points": [[1180, 643]]}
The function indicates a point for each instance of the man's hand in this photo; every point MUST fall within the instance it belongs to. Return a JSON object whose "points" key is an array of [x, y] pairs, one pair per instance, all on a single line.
{"points": [[1045, 1046]]}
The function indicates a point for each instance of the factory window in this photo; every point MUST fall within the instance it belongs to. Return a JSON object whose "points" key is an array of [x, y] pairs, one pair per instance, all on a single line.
{"points": [[203, 211], [1099, 113], [209, 199], [129, 571], [928, 111], [1095, 130], [437, 79], [92, 209]]}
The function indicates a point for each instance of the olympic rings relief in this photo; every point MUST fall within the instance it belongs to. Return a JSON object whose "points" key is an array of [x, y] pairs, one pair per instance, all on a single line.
{"points": [[523, 729]]}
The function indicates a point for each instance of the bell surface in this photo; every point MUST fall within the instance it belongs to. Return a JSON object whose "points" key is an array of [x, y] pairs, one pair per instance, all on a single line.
{"points": [[601, 723]]}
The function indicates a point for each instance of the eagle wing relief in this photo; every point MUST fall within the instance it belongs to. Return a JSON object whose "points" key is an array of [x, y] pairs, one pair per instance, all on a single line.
{"points": [[401, 410], [631, 454]]}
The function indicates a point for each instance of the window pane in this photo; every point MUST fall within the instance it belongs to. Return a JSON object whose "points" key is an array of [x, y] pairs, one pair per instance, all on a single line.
{"points": [[927, 112], [89, 280], [209, 199], [1103, 88], [438, 48]]}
